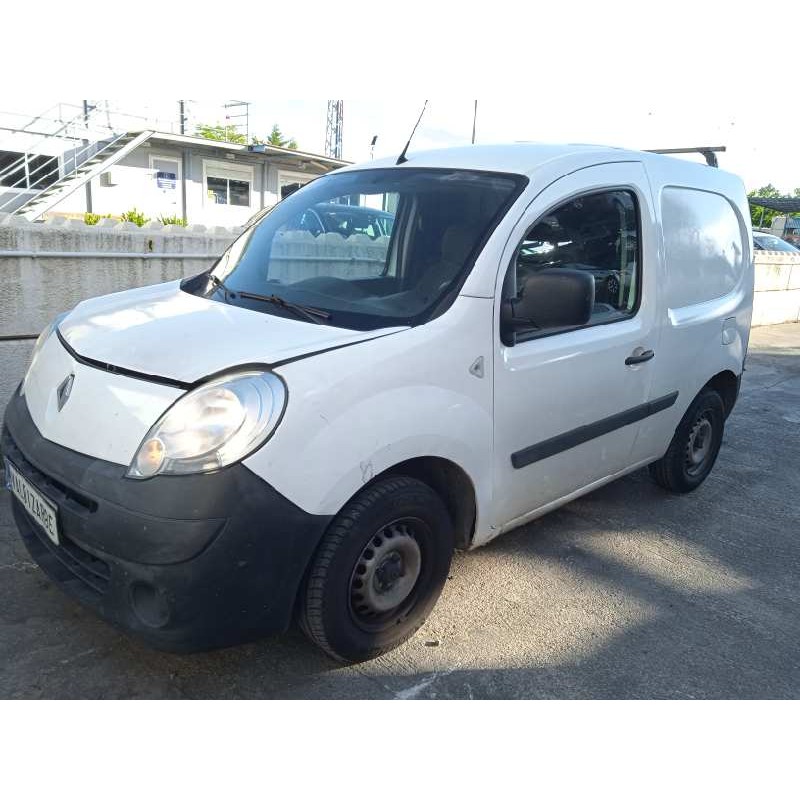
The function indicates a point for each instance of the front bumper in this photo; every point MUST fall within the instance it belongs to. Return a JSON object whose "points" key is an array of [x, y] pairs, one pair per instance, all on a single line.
{"points": [[184, 562]]}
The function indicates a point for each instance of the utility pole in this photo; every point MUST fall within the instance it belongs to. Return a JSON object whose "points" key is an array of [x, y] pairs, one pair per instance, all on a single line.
{"points": [[184, 159], [85, 146]]}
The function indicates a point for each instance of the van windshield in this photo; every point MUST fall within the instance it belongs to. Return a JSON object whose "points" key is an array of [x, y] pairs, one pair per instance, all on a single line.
{"points": [[364, 249]]}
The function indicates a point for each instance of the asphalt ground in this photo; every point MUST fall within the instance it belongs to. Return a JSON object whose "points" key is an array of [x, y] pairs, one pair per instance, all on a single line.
{"points": [[628, 592]]}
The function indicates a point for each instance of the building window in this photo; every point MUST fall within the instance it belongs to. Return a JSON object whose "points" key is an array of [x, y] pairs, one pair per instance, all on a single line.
{"points": [[228, 187], [290, 182], [228, 192], [239, 193]]}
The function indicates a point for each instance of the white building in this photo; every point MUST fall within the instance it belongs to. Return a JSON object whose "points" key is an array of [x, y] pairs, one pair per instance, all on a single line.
{"points": [[94, 165]]}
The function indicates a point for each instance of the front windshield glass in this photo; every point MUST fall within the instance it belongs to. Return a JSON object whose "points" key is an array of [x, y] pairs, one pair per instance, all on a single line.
{"points": [[370, 249]]}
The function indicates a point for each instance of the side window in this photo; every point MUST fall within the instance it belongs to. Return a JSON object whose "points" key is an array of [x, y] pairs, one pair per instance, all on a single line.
{"points": [[597, 234]]}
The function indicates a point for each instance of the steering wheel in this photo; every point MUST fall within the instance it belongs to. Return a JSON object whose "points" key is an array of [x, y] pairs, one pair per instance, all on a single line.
{"points": [[612, 289]]}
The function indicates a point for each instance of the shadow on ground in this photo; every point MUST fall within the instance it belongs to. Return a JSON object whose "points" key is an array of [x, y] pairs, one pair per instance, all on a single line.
{"points": [[628, 592]]}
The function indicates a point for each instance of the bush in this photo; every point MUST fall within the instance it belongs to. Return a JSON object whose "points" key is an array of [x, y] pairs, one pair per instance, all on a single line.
{"points": [[93, 219], [173, 220], [136, 217]]}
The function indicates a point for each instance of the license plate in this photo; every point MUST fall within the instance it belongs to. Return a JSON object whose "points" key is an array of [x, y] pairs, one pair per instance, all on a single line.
{"points": [[36, 504]]}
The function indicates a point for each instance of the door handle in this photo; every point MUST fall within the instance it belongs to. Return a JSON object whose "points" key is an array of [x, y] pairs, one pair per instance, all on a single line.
{"points": [[639, 356]]}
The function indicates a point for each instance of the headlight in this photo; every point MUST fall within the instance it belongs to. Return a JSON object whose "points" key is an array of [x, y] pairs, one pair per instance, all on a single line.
{"points": [[43, 337], [212, 426]]}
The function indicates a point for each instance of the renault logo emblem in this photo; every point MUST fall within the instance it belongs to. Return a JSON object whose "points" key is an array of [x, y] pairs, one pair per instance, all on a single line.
{"points": [[64, 390]]}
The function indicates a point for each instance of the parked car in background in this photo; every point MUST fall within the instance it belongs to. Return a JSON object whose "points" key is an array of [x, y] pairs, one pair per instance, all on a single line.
{"points": [[767, 241], [347, 220], [350, 220], [787, 228]]}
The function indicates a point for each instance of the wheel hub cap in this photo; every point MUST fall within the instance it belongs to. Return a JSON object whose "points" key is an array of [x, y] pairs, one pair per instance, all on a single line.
{"points": [[699, 445], [386, 572]]}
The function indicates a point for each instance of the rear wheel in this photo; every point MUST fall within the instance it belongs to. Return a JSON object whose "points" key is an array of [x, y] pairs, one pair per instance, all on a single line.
{"points": [[694, 447], [378, 571]]}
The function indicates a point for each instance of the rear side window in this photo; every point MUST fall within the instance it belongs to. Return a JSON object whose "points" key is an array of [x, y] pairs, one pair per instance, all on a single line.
{"points": [[596, 233], [702, 244]]}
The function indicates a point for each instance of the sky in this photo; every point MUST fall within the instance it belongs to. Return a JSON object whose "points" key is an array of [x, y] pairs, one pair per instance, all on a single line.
{"points": [[761, 147], [618, 72]]}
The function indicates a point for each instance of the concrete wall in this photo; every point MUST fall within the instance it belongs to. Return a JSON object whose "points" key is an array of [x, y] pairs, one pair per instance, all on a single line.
{"points": [[35, 288], [112, 256], [777, 284]]}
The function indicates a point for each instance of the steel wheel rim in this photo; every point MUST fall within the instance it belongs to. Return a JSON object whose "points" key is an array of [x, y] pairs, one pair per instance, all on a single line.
{"points": [[698, 448], [386, 574]]}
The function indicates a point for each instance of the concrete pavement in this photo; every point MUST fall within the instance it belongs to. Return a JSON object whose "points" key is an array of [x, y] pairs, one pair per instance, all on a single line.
{"points": [[628, 592]]}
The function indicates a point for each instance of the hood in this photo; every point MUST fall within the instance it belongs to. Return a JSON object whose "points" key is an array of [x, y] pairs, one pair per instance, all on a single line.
{"points": [[163, 331]]}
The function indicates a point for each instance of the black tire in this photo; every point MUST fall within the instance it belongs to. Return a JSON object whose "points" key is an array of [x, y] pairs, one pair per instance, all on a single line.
{"points": [[694, 447], [398, 535]]}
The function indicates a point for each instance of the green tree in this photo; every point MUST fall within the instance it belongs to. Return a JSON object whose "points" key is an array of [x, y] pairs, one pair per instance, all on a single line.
{"points": [[762, 217], [277, 139], [221, 133]]}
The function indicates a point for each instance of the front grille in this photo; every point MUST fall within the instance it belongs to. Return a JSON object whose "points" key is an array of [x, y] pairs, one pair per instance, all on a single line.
{"points": [[67, 560], [93, 572], [49, 486]]}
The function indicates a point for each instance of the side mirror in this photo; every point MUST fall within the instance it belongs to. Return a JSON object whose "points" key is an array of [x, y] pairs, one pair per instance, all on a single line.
{"points": [[552, 298]]}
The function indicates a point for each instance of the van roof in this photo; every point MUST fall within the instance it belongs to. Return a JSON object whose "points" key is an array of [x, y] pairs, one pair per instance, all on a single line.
{"points": [[526, 158]]}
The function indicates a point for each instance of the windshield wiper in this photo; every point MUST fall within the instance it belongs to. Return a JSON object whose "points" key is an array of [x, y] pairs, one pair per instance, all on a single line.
{"points": [[316, 315]]}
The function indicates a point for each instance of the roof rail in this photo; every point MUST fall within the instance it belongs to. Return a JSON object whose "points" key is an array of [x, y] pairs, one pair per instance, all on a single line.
{"points": [[709, 153]]}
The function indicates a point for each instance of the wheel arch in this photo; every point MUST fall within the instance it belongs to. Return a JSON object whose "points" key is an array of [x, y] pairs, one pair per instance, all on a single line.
{"points": [[726, 384], [451, 483]]}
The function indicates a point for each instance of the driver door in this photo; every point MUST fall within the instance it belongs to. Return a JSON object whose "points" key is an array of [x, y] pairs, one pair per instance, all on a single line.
{"points": [[567, 405]]}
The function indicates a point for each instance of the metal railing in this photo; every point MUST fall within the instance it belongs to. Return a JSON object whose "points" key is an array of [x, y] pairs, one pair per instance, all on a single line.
{"points": [[84, 134], [38, 170], [76, 129], [36, 179]]}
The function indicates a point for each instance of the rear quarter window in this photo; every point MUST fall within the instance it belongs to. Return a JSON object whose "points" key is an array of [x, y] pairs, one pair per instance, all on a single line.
{"points": [[702, 244]]}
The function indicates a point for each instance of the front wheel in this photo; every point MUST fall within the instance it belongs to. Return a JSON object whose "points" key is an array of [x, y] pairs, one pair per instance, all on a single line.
{"points": [[694, 447], [378, 571]]}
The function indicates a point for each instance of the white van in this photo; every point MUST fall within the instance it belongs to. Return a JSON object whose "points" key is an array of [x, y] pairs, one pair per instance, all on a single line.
{"points": [[313, 425]]}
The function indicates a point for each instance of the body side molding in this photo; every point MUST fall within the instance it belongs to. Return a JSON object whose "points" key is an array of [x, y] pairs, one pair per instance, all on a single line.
{"points": [[570, 439]]}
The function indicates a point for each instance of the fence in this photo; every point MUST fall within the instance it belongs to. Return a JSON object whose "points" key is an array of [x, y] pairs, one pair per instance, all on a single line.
{"points": [[777, 296], [46, 268]]}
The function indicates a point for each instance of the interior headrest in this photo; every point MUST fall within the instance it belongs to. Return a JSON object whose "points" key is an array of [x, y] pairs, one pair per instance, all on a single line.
{"points": [[456, 243]]}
